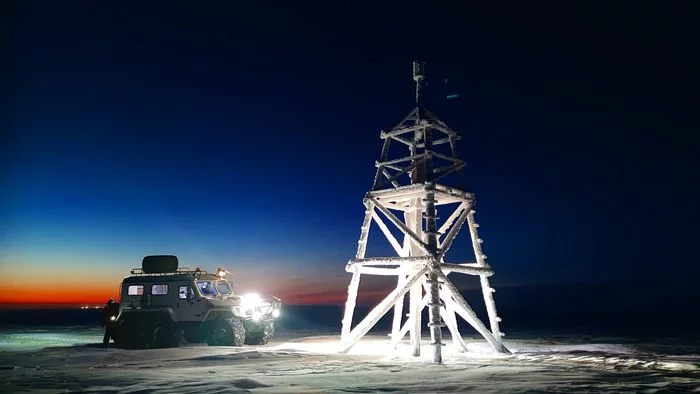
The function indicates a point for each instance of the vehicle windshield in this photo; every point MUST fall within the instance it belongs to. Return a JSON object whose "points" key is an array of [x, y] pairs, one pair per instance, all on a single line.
{"points": [[211, 288], [223, 287], [207, 288]]}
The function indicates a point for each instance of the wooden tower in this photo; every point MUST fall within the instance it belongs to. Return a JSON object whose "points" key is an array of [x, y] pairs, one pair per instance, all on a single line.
{"points": [[410, 184]]}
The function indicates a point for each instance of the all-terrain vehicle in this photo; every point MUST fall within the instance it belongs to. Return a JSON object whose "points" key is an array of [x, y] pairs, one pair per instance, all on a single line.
{"points": [[160, 303]]}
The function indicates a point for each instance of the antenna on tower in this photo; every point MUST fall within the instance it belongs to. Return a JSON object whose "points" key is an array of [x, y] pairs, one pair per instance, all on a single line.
{"points": [[419, 77]]}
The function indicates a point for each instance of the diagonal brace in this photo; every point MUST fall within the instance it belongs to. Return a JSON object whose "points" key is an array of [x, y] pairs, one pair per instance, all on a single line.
{"points": [[445, 246], [393, 219], [380, 310], [392, 240]]}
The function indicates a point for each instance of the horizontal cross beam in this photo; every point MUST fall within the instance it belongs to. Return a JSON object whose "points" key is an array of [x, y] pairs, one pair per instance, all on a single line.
{"points": [[404, 130], [400, 160], [485, 271], [402, 140], [388, 261], [441, 141]]}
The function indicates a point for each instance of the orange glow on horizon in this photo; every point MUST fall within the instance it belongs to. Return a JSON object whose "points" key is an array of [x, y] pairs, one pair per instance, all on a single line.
{"points": [[75, 287], [58, 294], [99, 293]]}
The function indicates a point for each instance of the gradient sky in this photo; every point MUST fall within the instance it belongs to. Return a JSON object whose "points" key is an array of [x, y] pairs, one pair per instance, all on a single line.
{"points": [[246, 136]]}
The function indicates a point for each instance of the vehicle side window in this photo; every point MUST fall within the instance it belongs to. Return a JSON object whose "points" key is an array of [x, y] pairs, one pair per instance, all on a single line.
{"points": [[159, 289], [135, 290], [182, 293]]}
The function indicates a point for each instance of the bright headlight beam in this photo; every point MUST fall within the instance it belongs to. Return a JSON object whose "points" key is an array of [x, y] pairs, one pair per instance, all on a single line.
{"points": [[250, 300]]}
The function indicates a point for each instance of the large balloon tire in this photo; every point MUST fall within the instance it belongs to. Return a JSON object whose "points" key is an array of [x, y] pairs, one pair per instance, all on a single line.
{"points": [[227, 332], [193, 335], [128, 335], [165, 334], [261, 337]]}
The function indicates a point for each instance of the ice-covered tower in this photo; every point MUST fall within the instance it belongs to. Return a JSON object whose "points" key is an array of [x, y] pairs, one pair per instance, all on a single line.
{"points": [[410, 182]]}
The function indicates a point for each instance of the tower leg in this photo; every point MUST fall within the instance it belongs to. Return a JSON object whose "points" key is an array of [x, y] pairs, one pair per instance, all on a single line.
{"points": [[407, 325], [350, 304], [448, 316], [415, 317], [435, 305], [414, 222], [355, 281], [398, 312], [431, 234], [486, 288], [464, 310]]}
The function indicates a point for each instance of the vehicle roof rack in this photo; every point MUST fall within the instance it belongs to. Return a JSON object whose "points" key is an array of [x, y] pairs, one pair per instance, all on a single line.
{"points": [[180, 271]]}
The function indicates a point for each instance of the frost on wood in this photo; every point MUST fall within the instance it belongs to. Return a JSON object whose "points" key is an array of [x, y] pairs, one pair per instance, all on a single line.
{"points": [[407, 182]]}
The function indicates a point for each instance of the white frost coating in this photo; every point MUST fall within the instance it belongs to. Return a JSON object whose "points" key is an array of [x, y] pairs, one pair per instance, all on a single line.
{"points": [[401, 160], [398, 309], [467, 270], [350, 304], [400, 131], [383, 271], [453, 233], [464, 310], [450, 220], [407, 325], [380, 310], [362, 243], [486, 288], [388, 176], [420, 264], [415, 315], [385, 230], [392, 218], [448, 315], [389, 261]]}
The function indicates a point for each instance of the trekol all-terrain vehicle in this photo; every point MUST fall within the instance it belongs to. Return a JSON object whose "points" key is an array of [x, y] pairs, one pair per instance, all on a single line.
{"points": [[161, 304]]}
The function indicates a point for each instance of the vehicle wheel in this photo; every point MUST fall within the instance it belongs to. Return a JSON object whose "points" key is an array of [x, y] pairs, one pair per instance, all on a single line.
{"points": [[193, 335], [261, 337], [129, 336], [226, 332], [165, 334]]}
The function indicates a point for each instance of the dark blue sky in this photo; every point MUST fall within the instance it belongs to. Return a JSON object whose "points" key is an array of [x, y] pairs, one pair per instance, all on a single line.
{"points": [[248, 134]]}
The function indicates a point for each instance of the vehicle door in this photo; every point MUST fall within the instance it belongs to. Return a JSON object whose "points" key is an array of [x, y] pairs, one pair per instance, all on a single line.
{"points": [[190, 306]]}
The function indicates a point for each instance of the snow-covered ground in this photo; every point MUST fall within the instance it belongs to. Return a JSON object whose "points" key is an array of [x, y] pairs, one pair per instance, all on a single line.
{"points": [[72, 359]]}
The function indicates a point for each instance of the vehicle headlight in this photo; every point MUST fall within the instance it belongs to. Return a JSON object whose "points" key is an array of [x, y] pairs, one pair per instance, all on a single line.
{"points": [[276, 313], [113, 318], [256, 316], [250, 301]]}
